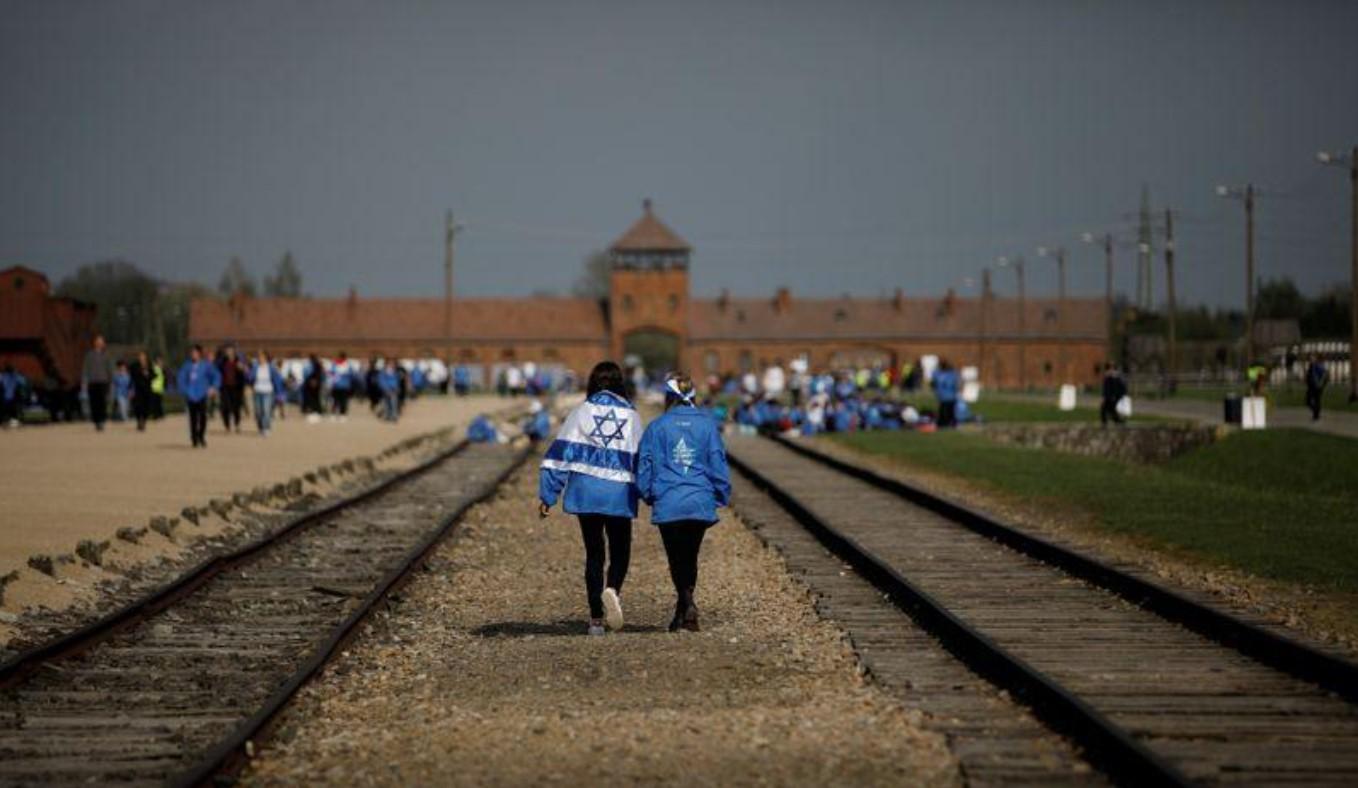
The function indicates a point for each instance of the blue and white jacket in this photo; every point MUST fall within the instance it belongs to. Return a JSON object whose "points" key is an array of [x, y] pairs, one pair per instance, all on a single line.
{"points": [[681, 467], [594, 457]]}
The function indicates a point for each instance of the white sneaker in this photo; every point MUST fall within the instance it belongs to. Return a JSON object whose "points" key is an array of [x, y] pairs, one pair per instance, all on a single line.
{"points": [[596, 628], [612, 609]]}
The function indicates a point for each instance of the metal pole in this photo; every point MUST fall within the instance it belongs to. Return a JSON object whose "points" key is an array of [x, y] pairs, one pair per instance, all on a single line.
{"points": [[985, 326], [1173, 356], [448, 235], [1061, 313], [1249, 276], [1108, 289], [1023, 333], [1353, 281]]}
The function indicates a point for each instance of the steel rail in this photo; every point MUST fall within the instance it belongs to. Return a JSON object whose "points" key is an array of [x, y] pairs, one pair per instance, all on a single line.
{"points": [[229, 755], [16, 668], [1105, 744], [1279, 652]]}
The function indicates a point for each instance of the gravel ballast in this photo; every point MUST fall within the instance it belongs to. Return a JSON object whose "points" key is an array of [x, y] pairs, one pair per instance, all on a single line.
{"points": [[482, 674]]}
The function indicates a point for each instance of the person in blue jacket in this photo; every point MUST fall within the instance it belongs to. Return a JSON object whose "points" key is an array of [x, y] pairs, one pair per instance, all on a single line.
{"points": [[198, 381], [946, 383], [389, 381], [539, 424], [682, 474], [593, 459], [11, 396]]}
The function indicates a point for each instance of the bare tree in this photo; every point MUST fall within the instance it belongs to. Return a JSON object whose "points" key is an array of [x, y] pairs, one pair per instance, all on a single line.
{"points": [[286, 281], [236, 280], [593, 279]]}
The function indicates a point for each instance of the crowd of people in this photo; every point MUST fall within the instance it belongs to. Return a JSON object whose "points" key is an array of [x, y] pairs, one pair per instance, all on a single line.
{"points": [[231, 384], [846, 400]]}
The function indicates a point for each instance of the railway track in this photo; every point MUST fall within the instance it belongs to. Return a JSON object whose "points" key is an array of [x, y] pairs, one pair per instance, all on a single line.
{"points": [[1152, 687], [175, 688]]}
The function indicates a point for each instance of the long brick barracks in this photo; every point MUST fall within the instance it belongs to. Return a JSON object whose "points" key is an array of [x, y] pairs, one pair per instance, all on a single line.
{"points": [[649, 307]]}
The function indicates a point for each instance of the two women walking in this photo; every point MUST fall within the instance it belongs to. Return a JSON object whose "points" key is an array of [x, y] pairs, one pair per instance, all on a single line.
{"points": [[605, 465]]}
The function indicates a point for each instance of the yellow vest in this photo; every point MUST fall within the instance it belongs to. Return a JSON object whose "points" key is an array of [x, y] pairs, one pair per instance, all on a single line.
{"points": [[157, 380]]}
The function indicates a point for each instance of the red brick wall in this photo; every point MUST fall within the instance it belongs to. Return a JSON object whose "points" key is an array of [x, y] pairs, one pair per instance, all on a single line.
{"points": [[647, 299]]}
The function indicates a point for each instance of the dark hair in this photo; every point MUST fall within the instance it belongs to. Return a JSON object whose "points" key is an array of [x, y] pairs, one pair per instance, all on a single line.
{"points": [[606, 376]]}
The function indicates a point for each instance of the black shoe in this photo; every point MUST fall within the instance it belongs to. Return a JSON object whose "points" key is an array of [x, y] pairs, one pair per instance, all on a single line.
{"points": [[678, 621], [690, 621]]}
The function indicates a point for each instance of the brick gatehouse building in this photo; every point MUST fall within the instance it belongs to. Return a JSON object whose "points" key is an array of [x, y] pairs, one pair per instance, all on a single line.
{"points": [[649, 311]]}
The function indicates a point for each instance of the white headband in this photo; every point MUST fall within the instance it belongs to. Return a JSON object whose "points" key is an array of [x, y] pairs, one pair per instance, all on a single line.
{"points": [[673, 386]]}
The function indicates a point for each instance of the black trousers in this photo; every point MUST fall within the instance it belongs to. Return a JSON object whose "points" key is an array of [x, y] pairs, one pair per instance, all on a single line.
{"points": [[617, 531], [947, 414], [98, 404], [1313, 402], [197, 422], [341, 401], [1109, 411], [231, 405], [683, 540], [157, 405], [9, 410], [141, 407]]}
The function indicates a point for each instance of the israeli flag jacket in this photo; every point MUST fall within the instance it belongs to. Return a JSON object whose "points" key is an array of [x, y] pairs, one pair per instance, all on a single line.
{"points": [[594, 457], [681, 467]]}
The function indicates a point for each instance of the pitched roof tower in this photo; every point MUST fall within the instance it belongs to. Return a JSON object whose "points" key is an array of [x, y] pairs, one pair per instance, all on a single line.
{"points": [[650, 243]]}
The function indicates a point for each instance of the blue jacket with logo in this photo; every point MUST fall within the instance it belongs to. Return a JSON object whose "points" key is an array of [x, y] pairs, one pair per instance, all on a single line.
{"points": [[196, 378], [681, 467], [594, 459]]}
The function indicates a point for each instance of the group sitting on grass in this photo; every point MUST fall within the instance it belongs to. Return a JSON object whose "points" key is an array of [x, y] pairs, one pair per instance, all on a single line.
{"points": [[840, 402]]}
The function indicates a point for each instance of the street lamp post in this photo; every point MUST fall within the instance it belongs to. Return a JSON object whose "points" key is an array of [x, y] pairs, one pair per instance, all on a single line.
{"points": [[1247, 195], [1351, 161], [1107, 243], [1017, 263], [1060, 254]]}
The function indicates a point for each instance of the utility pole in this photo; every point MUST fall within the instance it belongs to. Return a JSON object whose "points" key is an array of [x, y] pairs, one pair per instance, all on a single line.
{"points": [[1247, 194], [1060, 253], [1172, 366], [985, 323], [449, 235], [1108, 288], [1144, 292], [1061, 312], [1339, 160], [1249, 276]]}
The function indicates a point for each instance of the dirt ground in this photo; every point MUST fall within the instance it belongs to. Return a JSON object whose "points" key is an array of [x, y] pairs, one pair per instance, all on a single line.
{"points": [[482, 674], [63, 484]]}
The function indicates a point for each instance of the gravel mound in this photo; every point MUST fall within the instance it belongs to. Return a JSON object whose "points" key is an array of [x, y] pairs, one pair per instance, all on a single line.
{"points": [[481, 674]]}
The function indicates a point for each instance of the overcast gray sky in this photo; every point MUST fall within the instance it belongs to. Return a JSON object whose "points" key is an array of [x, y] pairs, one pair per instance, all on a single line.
{"points": [[828, 146]]}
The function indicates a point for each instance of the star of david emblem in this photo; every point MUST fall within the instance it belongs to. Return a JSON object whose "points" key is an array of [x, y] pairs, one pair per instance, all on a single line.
{"points": [[607, 438]]}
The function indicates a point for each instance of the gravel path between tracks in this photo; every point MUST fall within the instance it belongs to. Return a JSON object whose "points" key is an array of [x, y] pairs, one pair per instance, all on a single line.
{"points": [[482, 675], [1289, 609]]}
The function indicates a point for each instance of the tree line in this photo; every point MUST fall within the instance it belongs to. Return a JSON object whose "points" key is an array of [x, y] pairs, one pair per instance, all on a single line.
{"points": [[140, 310]]}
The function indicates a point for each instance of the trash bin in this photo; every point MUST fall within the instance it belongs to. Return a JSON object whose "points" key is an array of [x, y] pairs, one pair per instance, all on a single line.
{"points": [[1233, 409]]}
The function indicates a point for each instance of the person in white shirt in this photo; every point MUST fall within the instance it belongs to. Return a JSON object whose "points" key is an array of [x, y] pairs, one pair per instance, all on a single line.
{"points": [[775, 380]]}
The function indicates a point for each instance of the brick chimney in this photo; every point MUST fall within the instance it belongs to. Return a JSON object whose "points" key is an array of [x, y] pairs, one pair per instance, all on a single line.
{"points": [[783, 300], [898, 300]]}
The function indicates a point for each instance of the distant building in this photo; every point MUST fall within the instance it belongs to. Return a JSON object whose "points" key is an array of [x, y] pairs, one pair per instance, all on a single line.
{"points": [[43, 336], [649, 312]]}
